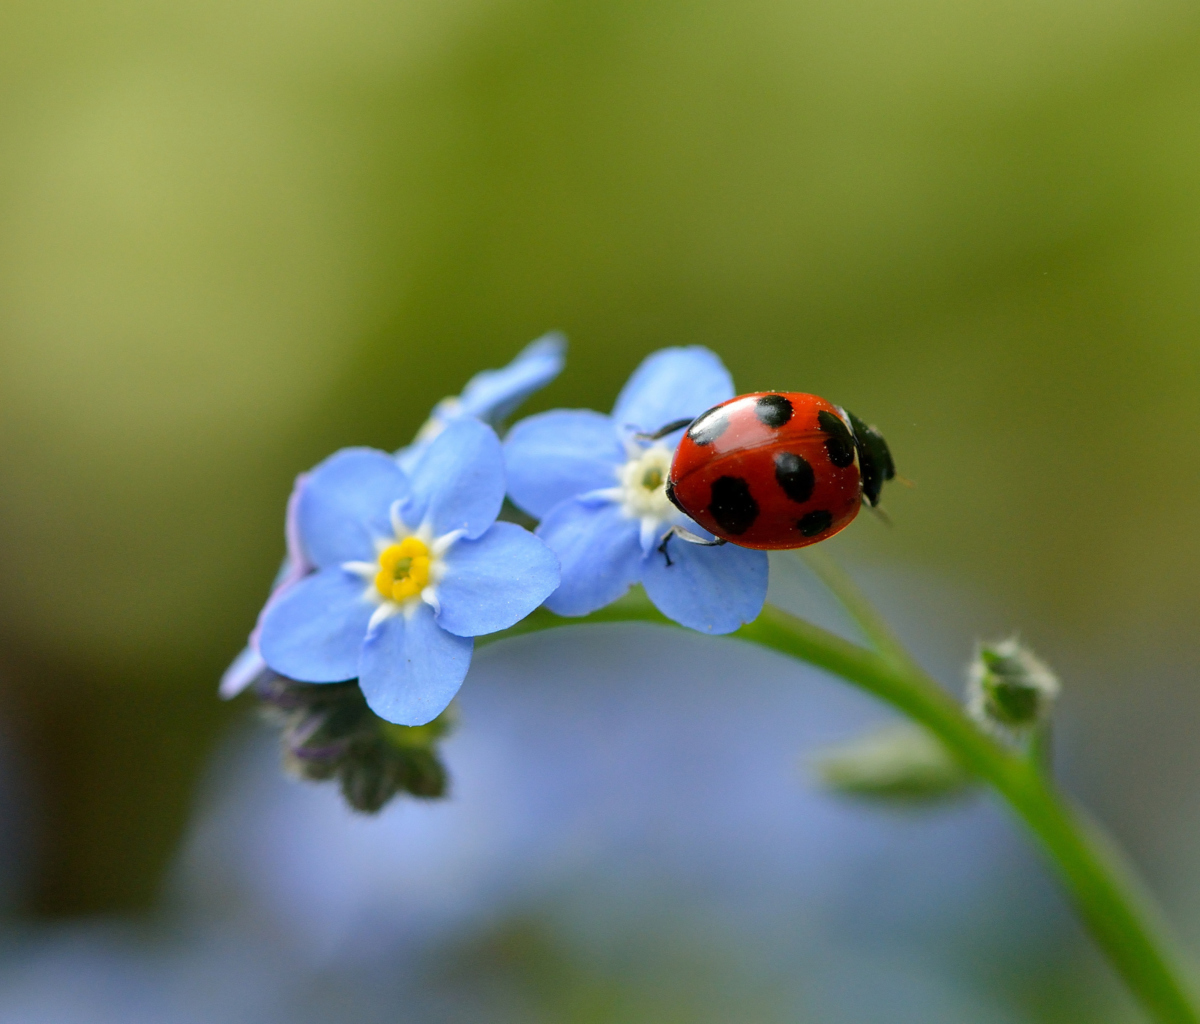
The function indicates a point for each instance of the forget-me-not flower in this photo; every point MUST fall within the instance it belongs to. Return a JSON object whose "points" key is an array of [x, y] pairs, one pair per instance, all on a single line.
{"points": [[599, 490], [490, 396], [409, 567], [493, 395]]}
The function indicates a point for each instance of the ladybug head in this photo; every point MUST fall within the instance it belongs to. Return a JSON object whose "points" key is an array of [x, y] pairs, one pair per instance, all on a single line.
{"points": [[874, 459]]}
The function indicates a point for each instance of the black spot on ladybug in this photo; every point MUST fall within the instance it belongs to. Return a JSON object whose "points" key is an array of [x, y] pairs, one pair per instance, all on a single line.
{"points": [[795, 476], [773, 410], [671, 495], [708, 426], [815, 522], [839, 444], [732, 505]]}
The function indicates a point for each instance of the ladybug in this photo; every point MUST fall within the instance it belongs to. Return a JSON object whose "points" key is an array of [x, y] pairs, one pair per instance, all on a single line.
{"points": [[776, 470]]}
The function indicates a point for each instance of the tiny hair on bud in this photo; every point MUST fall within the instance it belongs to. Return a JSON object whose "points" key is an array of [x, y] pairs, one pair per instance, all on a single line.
{"points": [[1010, 690]]}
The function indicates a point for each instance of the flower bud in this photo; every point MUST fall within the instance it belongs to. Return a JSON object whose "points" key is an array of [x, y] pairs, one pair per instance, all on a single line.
{"points": [[902, 762], [1009, 689], [328, 732]]}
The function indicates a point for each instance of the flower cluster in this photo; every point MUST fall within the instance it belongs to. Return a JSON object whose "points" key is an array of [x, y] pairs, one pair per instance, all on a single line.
{"points": [[396, 561], [490, 396]]}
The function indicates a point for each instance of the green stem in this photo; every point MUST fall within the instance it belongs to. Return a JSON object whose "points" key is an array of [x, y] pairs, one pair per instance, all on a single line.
{"points": [[1041, 747], [1114, 905], [1119, 913], [878, 633]]}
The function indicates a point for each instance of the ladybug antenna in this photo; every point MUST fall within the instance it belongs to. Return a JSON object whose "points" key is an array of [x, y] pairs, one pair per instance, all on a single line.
{"points": [[662, 431], [882, 515]]}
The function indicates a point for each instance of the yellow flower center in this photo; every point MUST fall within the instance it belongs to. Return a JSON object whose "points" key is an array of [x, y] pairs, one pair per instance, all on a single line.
{"points": [[403, 570]]}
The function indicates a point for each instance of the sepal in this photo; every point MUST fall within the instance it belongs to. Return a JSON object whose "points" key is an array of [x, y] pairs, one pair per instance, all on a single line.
{"points": [[328, 733]]}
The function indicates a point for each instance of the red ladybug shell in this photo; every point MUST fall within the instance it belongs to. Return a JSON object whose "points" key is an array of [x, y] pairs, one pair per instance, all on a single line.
{"points": [[769, 470]]}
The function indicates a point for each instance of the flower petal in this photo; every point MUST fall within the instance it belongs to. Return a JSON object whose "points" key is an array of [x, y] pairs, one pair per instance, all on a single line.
{"points": [[458, 483], [408, 456], [556, 455], [246, 668], [296, 564], [248, 665], [672, 384], [495, 581], [493, 395], [313, 633], [597, 547], [710, 589], [344, 503], [411, 668]]}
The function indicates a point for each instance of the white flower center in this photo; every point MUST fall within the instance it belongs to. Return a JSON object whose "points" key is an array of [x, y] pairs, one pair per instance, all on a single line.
{"points": [[644, 484]]}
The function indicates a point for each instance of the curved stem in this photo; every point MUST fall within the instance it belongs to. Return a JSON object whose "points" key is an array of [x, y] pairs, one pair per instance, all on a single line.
{"points": [[877, 631], [1113, 904], [1119, 911]]}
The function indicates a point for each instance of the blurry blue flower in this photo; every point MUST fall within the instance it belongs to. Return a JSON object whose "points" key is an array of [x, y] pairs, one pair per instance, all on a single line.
{"points": [[490, 396], [493, 395], [409, 567], [599, 491]]}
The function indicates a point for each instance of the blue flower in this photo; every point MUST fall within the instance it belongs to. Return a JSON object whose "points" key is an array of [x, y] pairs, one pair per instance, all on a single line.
{"points": [[490, 396], [599, 491], [409, 567], [493, 395]]}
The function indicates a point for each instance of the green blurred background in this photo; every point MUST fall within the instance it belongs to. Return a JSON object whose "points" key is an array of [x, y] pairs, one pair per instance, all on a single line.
{"points": [[234, 237]]}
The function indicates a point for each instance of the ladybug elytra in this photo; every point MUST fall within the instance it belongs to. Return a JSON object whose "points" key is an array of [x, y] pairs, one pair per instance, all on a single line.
{"points": [[776, 470]]}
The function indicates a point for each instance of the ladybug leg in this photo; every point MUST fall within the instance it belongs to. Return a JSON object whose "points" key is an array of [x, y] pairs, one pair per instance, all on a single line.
{"points": [[663, 547], [691, 538], [662, 432]]}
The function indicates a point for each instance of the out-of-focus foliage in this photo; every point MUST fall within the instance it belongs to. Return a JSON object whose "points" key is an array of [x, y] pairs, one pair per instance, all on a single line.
{"points": [[234, 237], [900, 762]]}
